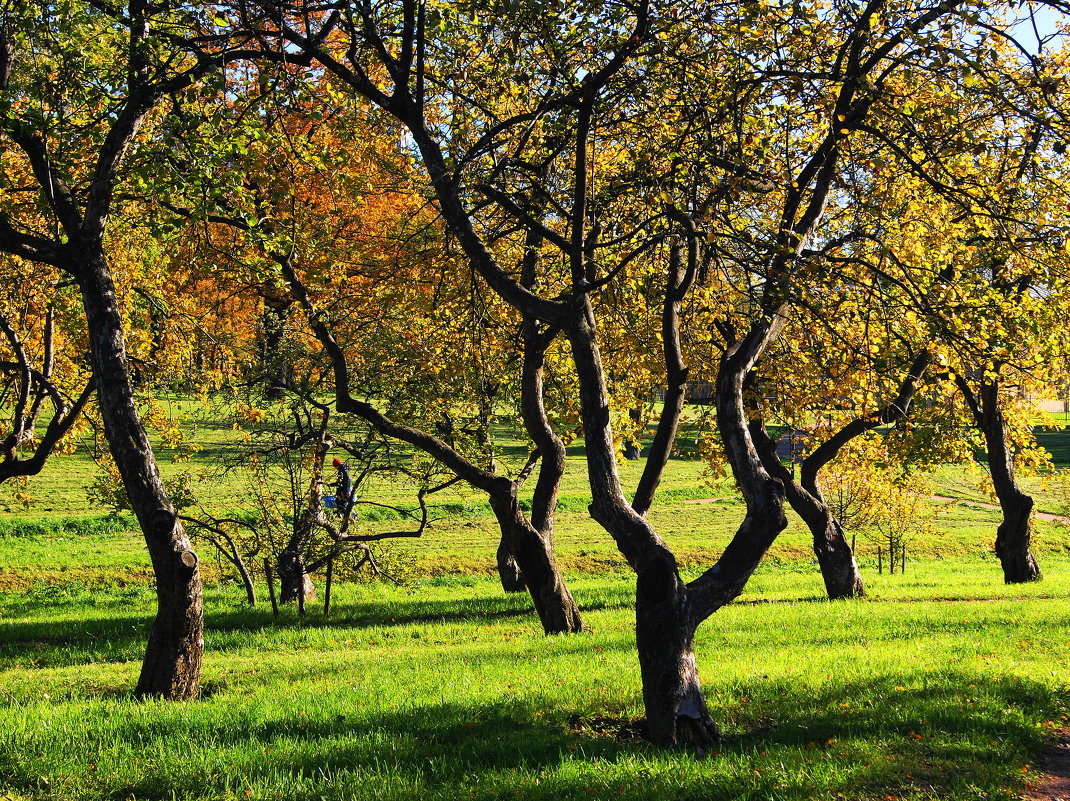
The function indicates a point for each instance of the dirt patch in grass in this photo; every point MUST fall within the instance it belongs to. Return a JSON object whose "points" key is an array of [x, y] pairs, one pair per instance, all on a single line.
{"points": [[1053, 782]]}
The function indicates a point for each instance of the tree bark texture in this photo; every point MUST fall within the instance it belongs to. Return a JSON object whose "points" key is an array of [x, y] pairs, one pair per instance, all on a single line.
{"points": [[1014, 536], [676, 711], [1015, 533], [509, 573], [172, 663], [534, 555]]}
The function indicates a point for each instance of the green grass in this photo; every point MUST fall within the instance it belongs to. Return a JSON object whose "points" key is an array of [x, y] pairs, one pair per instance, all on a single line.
{"points": [[942, 684], [464, 536], [446, 691]]}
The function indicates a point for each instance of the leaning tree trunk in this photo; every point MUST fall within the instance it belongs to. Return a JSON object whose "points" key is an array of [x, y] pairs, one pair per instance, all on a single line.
{"points": [[834, 555], [172, 663], [1015, 533], [534, 556]]}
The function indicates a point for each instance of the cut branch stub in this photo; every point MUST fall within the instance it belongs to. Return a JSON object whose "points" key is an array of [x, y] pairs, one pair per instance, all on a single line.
{"points": [[188, 559]]}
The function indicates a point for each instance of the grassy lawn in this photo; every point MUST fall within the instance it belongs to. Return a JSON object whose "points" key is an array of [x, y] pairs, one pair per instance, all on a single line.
{"points": [[943, 683], [446, 690]]}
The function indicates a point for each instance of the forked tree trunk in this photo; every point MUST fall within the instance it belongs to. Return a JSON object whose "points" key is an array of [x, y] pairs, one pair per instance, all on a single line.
{"points": [[676, 711], [531, 548], [534, 555], [172, 663], [834, 554]]}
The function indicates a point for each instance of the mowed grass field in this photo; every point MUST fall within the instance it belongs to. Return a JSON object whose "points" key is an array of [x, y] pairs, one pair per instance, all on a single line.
{"points": [[942, 683]]}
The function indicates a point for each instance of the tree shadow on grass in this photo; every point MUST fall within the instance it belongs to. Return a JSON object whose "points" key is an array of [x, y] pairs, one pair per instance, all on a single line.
{"points": [[907, 742], [913, 739], [117, 638]]}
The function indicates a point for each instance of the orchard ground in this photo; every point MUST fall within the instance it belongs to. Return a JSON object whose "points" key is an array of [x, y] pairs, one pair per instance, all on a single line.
{"points": [[942, 683]]}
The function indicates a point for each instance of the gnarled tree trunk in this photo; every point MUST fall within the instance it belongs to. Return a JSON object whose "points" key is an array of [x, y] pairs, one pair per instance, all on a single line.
{"points": [[1014, 537], [534, 555], [665, 623], [1015, 533], [834, 555], [530, 547]]}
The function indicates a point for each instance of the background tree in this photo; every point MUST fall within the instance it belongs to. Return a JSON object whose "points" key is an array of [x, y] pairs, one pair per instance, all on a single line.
{"points": [[975, 240], [436, 358], [41, 384], [289, 513]]}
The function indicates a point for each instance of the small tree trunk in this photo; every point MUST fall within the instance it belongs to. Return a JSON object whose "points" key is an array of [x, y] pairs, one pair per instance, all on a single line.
{"points": [[269, 575], [534, 555], [247, 580], [327, 588], [295, 586], [509, 572]]}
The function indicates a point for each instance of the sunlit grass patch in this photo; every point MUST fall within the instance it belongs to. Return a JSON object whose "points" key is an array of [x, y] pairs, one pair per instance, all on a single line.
{"points": [[448, 690]]}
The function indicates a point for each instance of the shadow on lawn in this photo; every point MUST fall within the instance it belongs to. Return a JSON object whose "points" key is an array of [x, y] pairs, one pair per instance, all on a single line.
{"points": [[117, 638], [904, 743], [52, 643]]}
